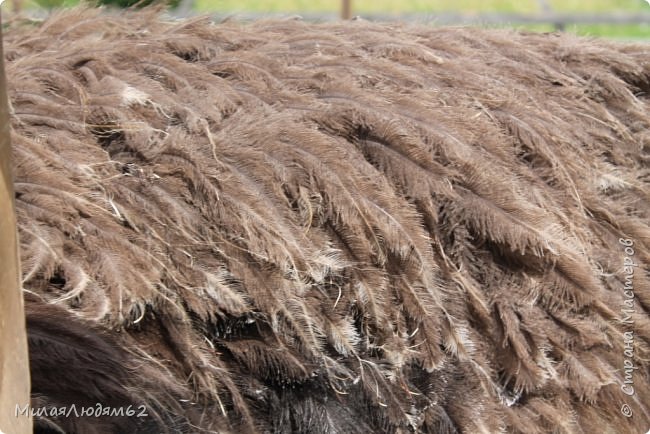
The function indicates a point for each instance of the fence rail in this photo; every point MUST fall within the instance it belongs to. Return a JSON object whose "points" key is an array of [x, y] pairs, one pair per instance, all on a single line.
{"points": [[451, 18]]}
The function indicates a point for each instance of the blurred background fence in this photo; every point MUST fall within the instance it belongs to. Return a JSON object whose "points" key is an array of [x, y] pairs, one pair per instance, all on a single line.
{"points": [[628, 19]]}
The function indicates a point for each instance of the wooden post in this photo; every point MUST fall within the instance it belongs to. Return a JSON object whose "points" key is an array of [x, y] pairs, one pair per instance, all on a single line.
{"points": [[14, 363], [346, 9], [16, 6], [546, 8]]}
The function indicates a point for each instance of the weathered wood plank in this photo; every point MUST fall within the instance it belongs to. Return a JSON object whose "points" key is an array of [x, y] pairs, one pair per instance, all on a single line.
{"points": [[14, 366]]}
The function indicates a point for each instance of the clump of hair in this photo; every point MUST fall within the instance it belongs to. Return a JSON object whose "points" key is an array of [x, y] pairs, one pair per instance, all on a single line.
{"points": [[344, 227]]}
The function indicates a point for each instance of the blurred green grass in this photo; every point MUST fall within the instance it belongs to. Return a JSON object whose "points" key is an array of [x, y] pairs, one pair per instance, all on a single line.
{"points": [[429, 8], [387, 7], [627, 31], [411, 6]]}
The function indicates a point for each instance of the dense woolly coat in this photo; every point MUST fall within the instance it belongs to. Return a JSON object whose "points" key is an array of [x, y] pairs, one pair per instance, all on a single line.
{"points": [[334, 228]]}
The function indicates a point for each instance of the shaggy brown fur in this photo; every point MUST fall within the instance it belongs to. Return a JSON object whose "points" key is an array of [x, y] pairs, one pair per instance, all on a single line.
{"points": [[72, 362], [343, 228]]}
